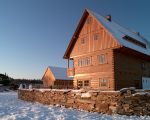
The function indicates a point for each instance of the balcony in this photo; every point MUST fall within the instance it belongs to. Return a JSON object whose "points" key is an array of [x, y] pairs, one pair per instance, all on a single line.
{"points": [[70, 72]]}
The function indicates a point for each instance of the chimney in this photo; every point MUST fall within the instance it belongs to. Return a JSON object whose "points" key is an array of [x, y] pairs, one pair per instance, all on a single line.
{"points": [[138, 33], [108, 17]]}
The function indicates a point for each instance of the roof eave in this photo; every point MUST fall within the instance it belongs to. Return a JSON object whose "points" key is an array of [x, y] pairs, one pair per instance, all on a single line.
{"points": [[139, 54]]}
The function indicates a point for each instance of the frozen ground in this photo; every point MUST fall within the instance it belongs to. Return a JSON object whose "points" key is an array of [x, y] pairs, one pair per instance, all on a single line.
{"points": [[13, 109]]}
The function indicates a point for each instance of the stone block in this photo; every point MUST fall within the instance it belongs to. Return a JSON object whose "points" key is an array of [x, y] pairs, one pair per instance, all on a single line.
{"points": [[68, 105], [70, 101], [113, 103], [113, 109], [102, 108], [85, 101], [90, 107]]}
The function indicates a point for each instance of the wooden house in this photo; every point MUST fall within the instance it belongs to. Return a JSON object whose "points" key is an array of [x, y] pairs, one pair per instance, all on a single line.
{"points": [[107, 56], [56, 77]]}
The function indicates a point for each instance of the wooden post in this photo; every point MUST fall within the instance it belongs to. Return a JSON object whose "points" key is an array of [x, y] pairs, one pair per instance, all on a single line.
{"points": [[68, 63]]}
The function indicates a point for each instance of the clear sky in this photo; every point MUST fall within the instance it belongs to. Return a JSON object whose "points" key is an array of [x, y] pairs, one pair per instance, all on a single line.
{"points": [[34, 34]]}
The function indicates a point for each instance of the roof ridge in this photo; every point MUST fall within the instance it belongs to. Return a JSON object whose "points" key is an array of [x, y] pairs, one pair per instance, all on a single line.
{"points": [[127, 28], [116, 30], [113, 21], [119, 31]]}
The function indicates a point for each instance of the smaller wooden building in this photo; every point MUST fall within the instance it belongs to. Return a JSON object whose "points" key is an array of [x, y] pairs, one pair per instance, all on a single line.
{"points": [[56, 77]]}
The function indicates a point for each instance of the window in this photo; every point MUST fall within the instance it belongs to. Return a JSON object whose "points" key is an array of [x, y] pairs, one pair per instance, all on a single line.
{"points": [[80, 83], [79, 63], [143, 66], [101, 59], [83, 83], [96, 37], [134, 41], [103, 82], [89, 20], [83, 41], [86, 83], [84, 62]]}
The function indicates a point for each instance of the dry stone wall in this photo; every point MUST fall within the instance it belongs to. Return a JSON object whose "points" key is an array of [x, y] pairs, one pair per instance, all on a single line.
{"points": [[126, 102]]}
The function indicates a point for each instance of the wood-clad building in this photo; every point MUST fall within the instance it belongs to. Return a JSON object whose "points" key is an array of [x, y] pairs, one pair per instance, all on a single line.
{"points": [[105, 55], [56, 77]]}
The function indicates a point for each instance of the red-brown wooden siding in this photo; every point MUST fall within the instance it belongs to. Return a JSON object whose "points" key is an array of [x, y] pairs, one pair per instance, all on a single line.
{"points": [[106, 40], [121, 69]]}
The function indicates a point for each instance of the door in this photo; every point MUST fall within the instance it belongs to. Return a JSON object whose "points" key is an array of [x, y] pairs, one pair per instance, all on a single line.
{"points": [[146, 83]]}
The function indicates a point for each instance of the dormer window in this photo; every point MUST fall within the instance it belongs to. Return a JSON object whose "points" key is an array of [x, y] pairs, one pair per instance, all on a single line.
{"points": [[134, 41]]}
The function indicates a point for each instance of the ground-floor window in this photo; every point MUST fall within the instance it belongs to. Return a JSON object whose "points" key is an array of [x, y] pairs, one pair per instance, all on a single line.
{"points": [[83, 83], [80, 83], [86, 83], [103, 82]]}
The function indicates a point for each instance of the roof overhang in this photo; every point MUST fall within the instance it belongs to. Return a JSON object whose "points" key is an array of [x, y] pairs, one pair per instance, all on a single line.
{"points": [[133, 52]]}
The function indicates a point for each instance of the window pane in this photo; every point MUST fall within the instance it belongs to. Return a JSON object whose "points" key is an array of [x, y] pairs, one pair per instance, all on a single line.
{"points": [[86, 83], [79, 63], [89, 20], [103, 82], [82, 40], [80, 83], [84, 61], [96, 37], [101, 59]]}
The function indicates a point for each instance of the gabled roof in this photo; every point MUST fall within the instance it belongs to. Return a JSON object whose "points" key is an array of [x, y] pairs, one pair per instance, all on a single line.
{"points": [[120, 32], [59, 73], [117, 31]]}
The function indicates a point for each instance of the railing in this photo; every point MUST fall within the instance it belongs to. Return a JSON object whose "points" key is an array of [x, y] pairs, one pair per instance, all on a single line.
{"points": [[70, 72]]}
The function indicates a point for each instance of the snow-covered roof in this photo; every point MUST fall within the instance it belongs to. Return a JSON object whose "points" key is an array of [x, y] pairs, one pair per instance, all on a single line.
{"points": [[119, 32], [60, 73]]}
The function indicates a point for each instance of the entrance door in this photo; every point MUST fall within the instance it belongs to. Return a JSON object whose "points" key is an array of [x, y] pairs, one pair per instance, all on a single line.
{"points": [[146, 83]]}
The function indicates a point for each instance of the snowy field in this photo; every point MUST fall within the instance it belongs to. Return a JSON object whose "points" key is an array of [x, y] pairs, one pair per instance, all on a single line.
{"points": [[13, 109]]}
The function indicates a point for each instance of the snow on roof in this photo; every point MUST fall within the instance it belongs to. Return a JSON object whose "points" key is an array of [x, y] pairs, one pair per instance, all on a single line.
{"points": [[119, 32], [60, 73]]}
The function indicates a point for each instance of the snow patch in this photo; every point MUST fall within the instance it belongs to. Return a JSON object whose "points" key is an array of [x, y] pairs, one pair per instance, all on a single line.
{"points": [[9, 117], [141, 93], [111, 91], [85, 95], [43, 90], [12, 108], [76, 91]]}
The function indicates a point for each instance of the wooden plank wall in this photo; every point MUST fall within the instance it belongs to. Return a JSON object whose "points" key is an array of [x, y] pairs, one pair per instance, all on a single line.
{"points": [[92, 48], [88, 31], [129, 70]]}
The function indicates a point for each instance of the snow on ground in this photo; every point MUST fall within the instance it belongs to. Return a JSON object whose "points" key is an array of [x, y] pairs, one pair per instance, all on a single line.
{"points": [[13, 109]]}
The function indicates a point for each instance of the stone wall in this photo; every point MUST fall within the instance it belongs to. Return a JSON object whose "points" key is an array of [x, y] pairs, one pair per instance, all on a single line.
{"points": [[125, 102]]}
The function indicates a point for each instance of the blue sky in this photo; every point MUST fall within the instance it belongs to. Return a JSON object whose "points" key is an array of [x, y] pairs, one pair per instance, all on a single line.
{"points": [[34, 34]]}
